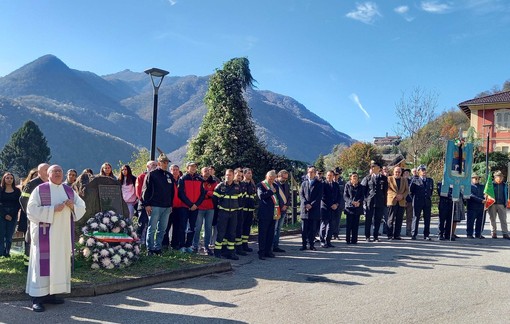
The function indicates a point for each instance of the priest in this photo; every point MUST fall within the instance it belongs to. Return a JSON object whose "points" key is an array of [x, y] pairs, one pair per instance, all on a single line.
{"points": [[52, 210]]}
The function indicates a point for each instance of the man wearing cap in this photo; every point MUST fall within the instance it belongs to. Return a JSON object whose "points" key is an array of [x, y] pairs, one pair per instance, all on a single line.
{"points": [[192, 194], [475, 203], [421, 190], [157, 195], [501, 196], [376, 191]]}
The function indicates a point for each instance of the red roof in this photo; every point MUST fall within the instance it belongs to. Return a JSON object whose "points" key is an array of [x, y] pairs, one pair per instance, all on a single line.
{"points": [[501, 97]]}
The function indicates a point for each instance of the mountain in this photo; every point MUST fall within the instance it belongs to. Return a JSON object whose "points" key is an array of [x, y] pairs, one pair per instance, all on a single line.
{"points": [[89, 119]]}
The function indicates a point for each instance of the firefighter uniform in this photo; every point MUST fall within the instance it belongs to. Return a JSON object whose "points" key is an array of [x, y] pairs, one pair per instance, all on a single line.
{"points": [[227, 199], [240, 221], [250, 192]]}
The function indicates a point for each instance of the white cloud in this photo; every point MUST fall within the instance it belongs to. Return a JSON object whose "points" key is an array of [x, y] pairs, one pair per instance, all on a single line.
{"points": [[354, 97], [172, 2], [401, 9], [404, 12], [435, 7], [365, 12]]}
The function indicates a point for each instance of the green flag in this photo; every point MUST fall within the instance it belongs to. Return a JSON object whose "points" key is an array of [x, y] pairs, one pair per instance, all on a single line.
{"points": [[489, 192]]}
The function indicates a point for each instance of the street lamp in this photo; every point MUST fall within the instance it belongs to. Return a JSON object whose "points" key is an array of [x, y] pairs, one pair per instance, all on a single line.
{"points": [[489, 126], [155, 74]]}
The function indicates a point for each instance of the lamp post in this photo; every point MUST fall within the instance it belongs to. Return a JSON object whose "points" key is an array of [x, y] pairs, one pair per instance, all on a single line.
{"points": [[155, 74], [489, 126]]}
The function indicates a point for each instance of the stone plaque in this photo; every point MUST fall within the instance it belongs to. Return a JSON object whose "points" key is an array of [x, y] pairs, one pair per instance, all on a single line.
{"points": [[110, 198]]}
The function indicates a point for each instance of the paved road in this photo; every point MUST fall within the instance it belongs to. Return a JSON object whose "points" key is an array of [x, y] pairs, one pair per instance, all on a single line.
{"points": [[466, 281]]}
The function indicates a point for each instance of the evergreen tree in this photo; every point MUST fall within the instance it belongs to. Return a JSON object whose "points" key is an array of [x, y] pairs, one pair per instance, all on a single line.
{"points": [[26, 149], [226, 138]]}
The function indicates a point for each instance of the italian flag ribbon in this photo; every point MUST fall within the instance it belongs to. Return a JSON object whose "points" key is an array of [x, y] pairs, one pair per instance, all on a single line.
{"points": [[276, 202]]}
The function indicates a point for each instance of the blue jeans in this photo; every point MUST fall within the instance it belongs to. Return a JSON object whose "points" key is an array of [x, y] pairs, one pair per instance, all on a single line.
{"points": [[6, 232], [158, 221], [277, 230], [205, 217]]}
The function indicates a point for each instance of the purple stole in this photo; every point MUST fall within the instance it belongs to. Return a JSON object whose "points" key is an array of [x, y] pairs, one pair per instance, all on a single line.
{"points": [[44, 228]]}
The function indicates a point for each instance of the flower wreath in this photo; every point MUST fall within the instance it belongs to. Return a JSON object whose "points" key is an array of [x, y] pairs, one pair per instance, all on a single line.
{"points": [[109, 241]]}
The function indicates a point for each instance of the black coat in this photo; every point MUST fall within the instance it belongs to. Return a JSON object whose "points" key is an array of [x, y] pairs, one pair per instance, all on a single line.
{"points": [[312, 195], [376, 190], [351, 194]]}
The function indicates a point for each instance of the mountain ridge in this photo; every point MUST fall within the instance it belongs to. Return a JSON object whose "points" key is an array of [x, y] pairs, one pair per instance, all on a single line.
{"points": [[116, 109]]}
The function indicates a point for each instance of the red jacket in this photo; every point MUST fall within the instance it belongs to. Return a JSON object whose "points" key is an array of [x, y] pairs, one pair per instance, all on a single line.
{"points": [[209, 192], [139, 185], [177, 202], [191, 191]]}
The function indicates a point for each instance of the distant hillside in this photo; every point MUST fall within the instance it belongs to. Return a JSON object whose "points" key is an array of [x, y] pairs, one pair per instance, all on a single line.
{"points": [[89, 119]]}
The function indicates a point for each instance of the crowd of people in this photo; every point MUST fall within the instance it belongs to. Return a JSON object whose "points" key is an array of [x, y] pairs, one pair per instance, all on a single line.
{"points": [[174, 208]]}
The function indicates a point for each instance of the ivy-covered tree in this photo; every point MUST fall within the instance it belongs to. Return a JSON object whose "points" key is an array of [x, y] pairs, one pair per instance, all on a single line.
{"points": [[26, 149], [226, 138]]}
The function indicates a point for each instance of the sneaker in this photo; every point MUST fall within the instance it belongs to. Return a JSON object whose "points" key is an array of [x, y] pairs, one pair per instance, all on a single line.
{"points": [[494, 236], [277, 249], [182, 250], [470, 236], [209, 252], [506, 237]]}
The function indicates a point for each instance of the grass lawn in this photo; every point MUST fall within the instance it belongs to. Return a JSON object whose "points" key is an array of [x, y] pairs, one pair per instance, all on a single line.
{"points": [[13, 275]]}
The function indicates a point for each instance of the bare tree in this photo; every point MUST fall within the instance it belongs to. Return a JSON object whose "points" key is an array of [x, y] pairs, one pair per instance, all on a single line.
{"points": [[414, 110]]}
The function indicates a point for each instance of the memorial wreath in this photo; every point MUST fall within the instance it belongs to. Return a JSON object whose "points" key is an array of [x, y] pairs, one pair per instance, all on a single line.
{"points": [[109, 241]]}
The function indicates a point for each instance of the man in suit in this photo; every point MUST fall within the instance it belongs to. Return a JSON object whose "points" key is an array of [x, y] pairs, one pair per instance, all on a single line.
{"points": [[329, 205], [421, 190], [311, 195], [398, 189], [376, 190], [475, 204]]}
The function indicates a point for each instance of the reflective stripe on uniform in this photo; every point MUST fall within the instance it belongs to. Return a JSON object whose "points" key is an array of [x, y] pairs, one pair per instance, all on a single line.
{"points": [[229, 209], [248, 209], [245, 238], [230, 245], [25, 194]]}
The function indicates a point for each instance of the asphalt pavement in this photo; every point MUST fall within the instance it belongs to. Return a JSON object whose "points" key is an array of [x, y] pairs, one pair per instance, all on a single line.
{"points": [[466, 281]]}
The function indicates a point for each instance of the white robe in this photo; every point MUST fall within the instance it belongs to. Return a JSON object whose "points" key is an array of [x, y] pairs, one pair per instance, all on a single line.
{"points": [[59, 280]]}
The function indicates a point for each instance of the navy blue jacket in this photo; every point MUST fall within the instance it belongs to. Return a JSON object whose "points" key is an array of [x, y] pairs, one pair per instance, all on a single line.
{"points": [[266, 204], [421, 191], [474, 201], [312, 195]]}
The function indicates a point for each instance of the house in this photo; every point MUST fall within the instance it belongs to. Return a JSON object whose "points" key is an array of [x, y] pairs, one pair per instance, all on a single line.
{"points": [[491, 114], [387, 140]]}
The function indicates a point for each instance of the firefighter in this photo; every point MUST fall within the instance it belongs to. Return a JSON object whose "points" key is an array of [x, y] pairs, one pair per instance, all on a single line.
{"points": [[250, 192], [227, 198]]}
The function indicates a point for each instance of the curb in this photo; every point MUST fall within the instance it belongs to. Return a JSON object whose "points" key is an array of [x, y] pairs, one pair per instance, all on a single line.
{"points": [[102, 289]]}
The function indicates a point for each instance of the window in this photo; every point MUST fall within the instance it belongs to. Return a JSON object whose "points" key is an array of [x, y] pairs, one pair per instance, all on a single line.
{"points": [[502, 118]]}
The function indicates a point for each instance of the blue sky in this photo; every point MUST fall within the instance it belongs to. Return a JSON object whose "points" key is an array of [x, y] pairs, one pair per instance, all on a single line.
{"points": [[329, 55]]}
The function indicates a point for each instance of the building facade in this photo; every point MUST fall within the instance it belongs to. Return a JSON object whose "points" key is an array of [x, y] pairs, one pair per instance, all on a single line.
{"points": [[490, 115]]}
